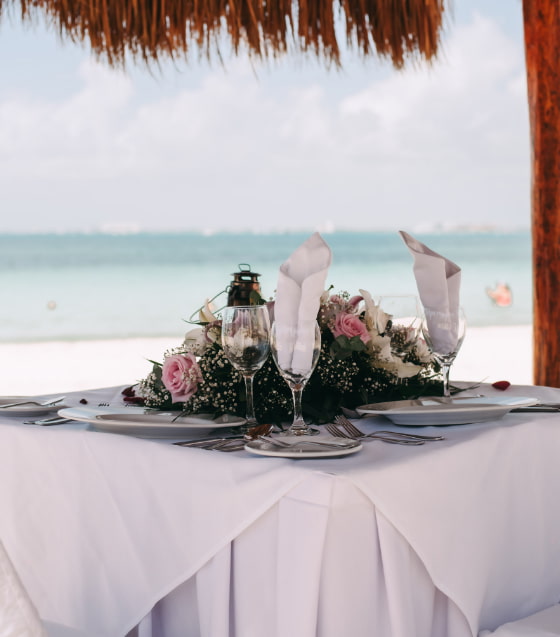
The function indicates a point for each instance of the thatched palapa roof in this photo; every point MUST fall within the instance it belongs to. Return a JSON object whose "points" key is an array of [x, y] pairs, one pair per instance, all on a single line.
{"points": [[153, 30]]}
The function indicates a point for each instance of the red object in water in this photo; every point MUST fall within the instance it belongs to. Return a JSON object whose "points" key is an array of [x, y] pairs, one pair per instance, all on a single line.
{"points": [[501, 295]]}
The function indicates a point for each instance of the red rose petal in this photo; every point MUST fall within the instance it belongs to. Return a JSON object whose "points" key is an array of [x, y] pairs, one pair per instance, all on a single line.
{"points": [[501, 384]]}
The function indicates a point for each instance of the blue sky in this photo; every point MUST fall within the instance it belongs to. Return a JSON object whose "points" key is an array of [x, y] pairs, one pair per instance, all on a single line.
{"points": [[267, 147]]}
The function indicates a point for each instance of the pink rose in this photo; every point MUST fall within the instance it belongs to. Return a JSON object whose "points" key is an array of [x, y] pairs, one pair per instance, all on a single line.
{"points": [[349, 325], [181, 376]]}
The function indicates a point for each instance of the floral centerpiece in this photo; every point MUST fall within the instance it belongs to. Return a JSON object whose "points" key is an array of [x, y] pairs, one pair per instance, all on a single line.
{"points": [[364, 358]]}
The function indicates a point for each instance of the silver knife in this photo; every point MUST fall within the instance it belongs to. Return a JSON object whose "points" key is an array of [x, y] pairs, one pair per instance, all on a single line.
{"points": [[46, 422], [202, 441]]}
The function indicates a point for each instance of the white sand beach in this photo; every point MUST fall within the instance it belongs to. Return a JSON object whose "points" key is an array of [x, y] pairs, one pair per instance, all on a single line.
{"points": [[488, 353]]}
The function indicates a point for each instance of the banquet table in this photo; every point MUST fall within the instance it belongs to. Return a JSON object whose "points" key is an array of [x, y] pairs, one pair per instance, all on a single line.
{"points": [[120, 536]]}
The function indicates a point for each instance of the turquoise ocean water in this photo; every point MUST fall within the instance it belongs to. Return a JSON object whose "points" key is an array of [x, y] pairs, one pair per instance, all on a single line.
{"points": [[88, 286]]}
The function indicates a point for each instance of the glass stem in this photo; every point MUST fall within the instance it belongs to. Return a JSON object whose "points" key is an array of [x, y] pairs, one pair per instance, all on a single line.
{"points": [[446, 368], [298, 426], [250, 409]]}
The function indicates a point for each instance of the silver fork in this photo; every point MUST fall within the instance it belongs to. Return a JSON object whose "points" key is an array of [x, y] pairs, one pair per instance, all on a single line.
{"points": [[335, 431], [46, 403], [354, 431]]}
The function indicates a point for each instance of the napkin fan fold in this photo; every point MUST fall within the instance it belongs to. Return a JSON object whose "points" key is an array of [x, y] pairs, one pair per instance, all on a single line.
{"points": [[301, 282], [438, 281]]}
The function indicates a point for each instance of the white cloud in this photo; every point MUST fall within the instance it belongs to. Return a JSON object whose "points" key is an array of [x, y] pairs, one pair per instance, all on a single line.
{"points": [[450, 142]]}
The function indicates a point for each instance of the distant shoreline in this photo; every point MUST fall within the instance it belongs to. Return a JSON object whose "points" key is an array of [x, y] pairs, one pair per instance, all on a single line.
{"points": [[217, 232]]}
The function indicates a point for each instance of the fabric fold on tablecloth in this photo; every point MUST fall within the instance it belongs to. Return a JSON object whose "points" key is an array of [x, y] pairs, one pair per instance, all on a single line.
{"points": [[489, 554], [150, 538], [475, 508], [18, 615]]}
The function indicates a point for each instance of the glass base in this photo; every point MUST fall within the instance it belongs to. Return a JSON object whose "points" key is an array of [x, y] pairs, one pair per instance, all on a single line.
{"points": [[309, 431], [248, 424]]}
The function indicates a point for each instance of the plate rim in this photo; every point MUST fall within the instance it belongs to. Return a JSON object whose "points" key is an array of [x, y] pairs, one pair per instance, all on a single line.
{"points": [[105, 421], [440, 408]]}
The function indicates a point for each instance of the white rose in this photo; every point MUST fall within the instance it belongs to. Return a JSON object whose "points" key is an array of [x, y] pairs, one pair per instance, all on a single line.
{"points": [[381, 345], [195, 341], [405, 370], [376, 318], [395, 366]]}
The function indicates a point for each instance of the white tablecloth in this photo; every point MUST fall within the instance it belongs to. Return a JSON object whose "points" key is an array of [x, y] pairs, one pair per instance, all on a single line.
{"points": [[113, 534]]}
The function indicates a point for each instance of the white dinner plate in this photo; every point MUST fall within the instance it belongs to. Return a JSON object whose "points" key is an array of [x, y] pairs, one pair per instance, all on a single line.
{"points": [[303, 450], [136, 421], [459, 411], [27, 410]]}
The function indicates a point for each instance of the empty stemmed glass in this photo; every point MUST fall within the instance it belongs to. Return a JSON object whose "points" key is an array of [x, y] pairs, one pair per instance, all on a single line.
{"points": [[444, 333], [246, 343], [296, 356]]}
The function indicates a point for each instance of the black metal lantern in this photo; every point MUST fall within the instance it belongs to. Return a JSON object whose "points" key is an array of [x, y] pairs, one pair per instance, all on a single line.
{"points": [[245, 283]]}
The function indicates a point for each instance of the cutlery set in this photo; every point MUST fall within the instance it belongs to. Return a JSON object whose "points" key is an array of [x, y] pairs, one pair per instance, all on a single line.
{"points": [[342, 438], [234, 442], [342, 431]]}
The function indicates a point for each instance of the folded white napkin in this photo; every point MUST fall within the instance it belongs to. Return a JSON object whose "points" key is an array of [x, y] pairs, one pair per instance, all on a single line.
{"points": [[438, 281], [301, 281]]}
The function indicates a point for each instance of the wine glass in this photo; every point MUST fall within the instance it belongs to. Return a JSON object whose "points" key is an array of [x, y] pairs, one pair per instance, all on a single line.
{"points": [[405, 321], [246, 343], [296, 356], [444, 333]]}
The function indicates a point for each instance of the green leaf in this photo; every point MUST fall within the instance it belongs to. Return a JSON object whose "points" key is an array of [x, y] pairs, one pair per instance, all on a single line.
{"points": [[343, 347], [255, 298]]}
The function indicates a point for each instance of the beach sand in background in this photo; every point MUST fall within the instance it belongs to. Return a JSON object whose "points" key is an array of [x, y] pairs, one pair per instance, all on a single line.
{"points": [[488, 353]]}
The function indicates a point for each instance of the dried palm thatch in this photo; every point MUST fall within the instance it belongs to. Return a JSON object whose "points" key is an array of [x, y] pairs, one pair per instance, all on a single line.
{"points": [[152, 30]]}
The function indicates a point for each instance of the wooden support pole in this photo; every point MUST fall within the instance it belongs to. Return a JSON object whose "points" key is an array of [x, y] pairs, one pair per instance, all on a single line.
{"points": [[542, 52]]}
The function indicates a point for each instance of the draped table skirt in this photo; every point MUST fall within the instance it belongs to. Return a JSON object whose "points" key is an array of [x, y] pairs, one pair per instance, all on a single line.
{"points": [[116, 535]]}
